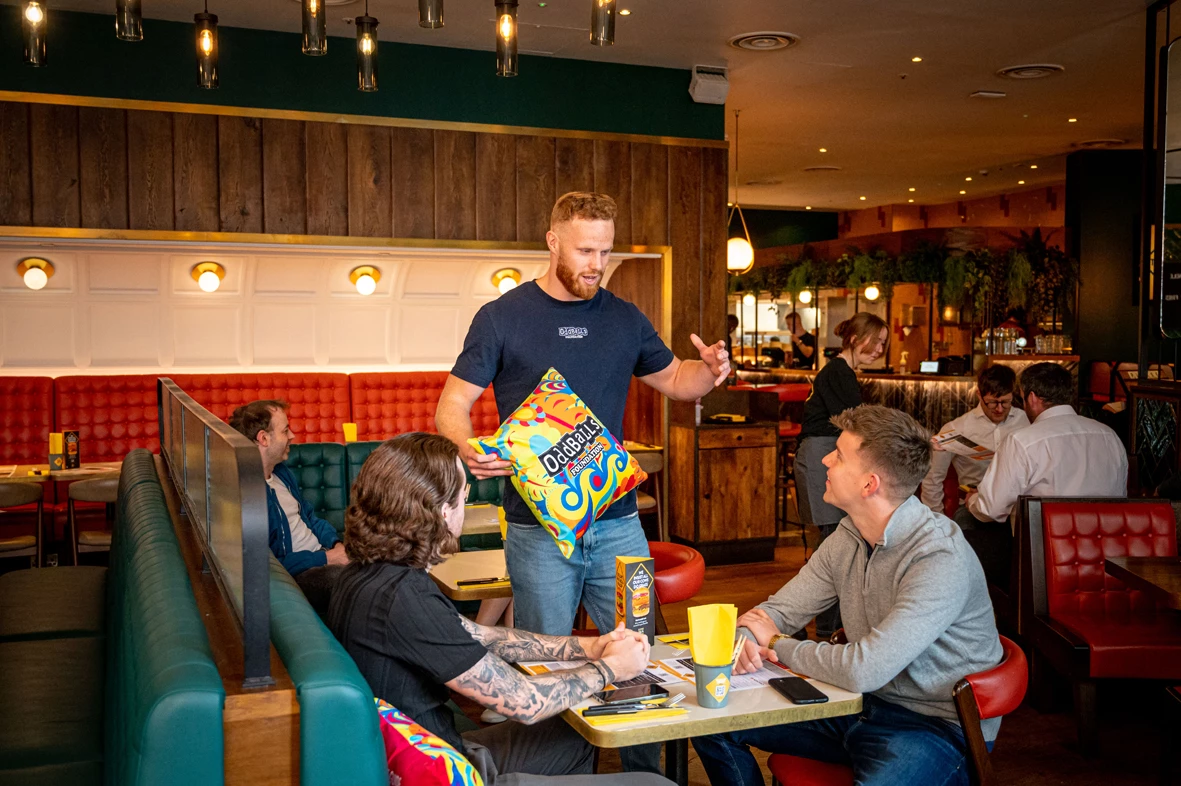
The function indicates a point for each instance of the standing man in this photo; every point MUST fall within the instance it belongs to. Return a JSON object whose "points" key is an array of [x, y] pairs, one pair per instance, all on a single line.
{"points": [[598, 342], [986, 425]]}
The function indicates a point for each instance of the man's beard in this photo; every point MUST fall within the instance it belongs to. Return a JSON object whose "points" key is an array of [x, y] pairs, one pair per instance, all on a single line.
{"points": [[574, 284]]}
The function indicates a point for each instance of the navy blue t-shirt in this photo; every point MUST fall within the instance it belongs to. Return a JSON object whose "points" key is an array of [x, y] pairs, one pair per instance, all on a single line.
{"points": [[596, 344]]}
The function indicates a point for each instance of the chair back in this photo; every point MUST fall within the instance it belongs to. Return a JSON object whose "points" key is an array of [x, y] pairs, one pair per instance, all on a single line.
{"points": [[95, 490], [651, 461], [680, 571], [319, 468], [1069, 540], [989, 694], [13, 494], [951, 491]]}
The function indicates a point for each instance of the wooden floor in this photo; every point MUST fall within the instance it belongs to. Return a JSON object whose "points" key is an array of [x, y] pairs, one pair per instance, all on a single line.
{"points": [[1033, 748]]}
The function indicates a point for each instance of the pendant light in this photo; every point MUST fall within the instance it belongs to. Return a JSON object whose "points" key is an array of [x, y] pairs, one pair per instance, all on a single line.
{"points": [[506, 38], [207, 51], [315, 36], [740, 254], [366, 52], [430, 13], [129, 20], [602, 29], [33, 23]]}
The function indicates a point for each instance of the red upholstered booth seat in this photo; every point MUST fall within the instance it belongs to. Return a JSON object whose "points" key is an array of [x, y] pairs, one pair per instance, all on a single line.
{"points": [[26, 418], [112, 414], [1128, 633], [394, 402], [319, 401]]}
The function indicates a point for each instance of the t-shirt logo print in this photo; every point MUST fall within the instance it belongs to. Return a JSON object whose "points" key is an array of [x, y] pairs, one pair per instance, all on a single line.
{"points": [[573, 332]]}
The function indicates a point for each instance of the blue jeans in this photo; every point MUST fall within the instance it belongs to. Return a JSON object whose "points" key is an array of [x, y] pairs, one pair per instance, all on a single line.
{"points": [[547, 589], [885, 744]]}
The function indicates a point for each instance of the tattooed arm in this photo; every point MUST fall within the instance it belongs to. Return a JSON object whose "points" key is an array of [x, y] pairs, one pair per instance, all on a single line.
{"points": [[517, 645], [502, 688]]}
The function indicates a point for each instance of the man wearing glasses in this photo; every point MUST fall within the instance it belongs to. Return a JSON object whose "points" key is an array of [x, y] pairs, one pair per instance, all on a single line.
{"points": [[986, 425]]}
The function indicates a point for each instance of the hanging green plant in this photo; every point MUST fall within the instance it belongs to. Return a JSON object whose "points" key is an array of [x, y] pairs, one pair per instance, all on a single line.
{"points": [[802, 276], [1020, 279]]}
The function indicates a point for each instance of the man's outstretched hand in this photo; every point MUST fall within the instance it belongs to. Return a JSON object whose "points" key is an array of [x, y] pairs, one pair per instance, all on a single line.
{"points": [[714, 356]]}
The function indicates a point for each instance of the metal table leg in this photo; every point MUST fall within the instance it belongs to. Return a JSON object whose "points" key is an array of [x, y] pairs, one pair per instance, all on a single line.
{"points": [[676, 761]]}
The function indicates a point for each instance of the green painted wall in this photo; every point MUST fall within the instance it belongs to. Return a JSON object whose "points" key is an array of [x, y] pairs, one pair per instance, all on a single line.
{"points": [[772, 228], [265, 69]]}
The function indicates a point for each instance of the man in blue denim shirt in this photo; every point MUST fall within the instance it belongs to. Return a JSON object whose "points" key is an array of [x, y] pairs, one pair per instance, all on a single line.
{"points": [[306, 545], [598, 342]]}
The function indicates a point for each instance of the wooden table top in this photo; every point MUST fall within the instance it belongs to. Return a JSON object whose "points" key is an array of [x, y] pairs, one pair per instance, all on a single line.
{"points": [[747, 709], [473, 565], [1160, 576], [641, 447], [480, 520], [20, 473]]}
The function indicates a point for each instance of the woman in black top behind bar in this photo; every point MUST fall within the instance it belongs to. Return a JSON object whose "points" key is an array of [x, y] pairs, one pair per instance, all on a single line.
{"points": [[835, 389]]}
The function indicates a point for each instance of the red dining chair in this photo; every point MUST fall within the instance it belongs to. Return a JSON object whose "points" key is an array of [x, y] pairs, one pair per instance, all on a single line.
{"points": [[986, 694]]}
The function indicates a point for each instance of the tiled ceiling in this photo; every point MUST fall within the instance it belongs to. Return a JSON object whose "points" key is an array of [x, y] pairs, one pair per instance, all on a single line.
{"points": [[848, 86]]}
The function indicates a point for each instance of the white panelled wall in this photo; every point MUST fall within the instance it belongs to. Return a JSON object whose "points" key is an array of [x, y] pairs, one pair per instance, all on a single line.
{"points": [[119, 307]]}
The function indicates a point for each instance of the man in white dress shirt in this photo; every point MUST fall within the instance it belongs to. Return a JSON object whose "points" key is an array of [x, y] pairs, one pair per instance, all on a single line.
{"points": [[1061, 455], [986, 425]]}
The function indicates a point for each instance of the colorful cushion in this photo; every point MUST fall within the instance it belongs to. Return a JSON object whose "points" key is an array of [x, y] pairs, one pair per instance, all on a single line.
{"points": [[418, 758], [566, 465]]}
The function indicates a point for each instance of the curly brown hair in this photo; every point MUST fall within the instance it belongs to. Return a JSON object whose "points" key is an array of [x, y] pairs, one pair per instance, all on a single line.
{"points": [[249, 419], [396, 514], [585, 205]]}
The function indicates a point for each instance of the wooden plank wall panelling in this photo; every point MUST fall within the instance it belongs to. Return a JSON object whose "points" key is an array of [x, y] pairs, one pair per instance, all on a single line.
{"points": [[535, 187], [284, 177], [613, 176], [328, 179], [370, 193], [239, 159], [638, 280], [16, 184], [53, 133], [455, 185], [715, 175], [102, 143], [414, 182], [649, 194], [496, 188], [194, 167], [575, 163], [684, 218], [150, 170]]}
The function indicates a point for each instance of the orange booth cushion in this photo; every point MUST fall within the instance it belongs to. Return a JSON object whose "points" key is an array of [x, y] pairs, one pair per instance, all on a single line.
{"points": [[394, 402]]}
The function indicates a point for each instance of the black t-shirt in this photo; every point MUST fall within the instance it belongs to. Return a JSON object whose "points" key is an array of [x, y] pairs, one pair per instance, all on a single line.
{"points": [[406, 639], [834, 390], [798, 358], [596, 344]]}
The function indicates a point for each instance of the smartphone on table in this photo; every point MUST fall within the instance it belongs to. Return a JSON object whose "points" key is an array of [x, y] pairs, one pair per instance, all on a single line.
{"points": [[798, 690], [635, 693]]}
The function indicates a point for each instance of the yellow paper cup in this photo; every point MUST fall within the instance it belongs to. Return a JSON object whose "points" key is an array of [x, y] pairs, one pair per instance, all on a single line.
{"points": [[350, 432]]}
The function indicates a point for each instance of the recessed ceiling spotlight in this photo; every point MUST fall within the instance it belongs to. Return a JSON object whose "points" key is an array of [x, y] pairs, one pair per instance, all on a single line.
{"points": [[822, 168], [1093, 143], [963, 192], [1020, 182], [911, 188], [625, 12], [1031, 71], [1033, 166], [862, 199], [910, 200], [764, 41], [1072, 120], [824, 150], [988, 94], [807, 207], [967, 180], [916, 59], [332, 2]]}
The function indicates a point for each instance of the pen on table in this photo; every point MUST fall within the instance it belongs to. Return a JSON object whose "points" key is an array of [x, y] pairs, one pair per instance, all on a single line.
{"points": [[490, 580]]}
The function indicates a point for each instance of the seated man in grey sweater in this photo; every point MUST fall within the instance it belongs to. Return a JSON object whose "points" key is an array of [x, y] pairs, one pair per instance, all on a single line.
{"points": [[916, 613]]}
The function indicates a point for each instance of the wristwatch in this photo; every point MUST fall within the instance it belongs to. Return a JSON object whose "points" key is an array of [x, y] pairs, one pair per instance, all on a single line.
{"points": [[775, 640]]}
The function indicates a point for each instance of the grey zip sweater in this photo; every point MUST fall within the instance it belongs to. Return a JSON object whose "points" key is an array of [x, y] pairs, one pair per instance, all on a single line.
{"points": [[916, 612]]}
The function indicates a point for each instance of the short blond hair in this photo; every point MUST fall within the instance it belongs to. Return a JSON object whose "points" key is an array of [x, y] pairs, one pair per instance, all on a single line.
{"points": [[893, 444], [585, 205]]}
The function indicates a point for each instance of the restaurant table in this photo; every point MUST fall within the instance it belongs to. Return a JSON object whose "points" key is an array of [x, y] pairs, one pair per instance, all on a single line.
{"points": [[641, 447], [20, 473], [480, 520], [747, 709], [1159, 576], [472, 565]]}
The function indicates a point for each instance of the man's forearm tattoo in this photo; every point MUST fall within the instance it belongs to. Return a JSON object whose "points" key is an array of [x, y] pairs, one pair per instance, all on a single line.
{"points": [[502, 688], [517, 645]]}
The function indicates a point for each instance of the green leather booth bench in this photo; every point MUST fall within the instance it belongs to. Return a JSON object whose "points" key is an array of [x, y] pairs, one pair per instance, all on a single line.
{"points": [[108, 674]]}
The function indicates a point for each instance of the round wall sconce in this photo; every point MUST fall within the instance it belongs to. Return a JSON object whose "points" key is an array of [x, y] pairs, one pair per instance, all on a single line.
{"points": [[806, 297], [208, 275], [872, 292], [35, 272], [506, 278], [365, 279]]}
